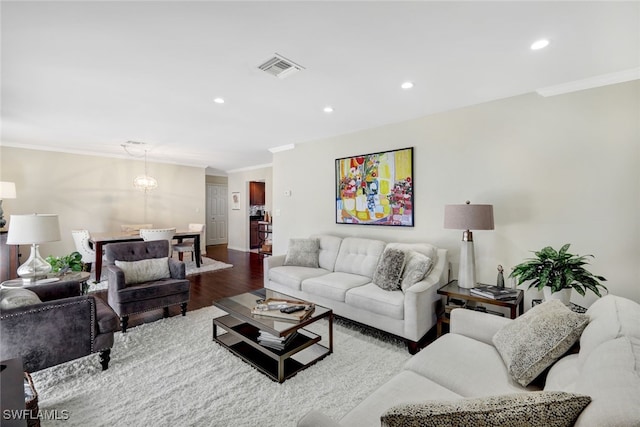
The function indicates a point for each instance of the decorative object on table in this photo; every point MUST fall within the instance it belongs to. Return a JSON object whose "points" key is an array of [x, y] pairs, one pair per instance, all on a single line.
{"points": [[468, 217], [7, 191], [495, 292], [500, 279], [64, 264], [33, 229], [375, 189], [282, 309], [556, 273]]}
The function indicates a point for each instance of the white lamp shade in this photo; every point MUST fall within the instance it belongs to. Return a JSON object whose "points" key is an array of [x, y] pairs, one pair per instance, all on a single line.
{"points": [[7, 190], [468, 217], [33, 229]]}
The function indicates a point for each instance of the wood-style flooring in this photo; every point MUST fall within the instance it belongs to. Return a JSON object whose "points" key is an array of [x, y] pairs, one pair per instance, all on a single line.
{"points": [[244, 276]]}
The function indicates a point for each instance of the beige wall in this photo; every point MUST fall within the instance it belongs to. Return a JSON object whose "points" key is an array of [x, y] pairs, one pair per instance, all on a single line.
{"points": [[239, 219], [97, 193], [562, 169]]}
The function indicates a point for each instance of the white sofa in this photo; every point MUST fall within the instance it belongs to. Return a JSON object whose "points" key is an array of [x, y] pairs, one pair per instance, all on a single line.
{"points": [[343, 282], [465, 364]]}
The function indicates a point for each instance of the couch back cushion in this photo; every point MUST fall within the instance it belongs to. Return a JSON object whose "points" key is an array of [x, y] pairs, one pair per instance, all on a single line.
{"points": [[359, 256], [610, 317], [329, 248]]}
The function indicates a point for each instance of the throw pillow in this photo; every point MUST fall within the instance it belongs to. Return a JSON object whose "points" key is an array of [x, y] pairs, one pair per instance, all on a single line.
{"points": [[535, 340], [303, 253], [541, 408], [145, 270], [389, 270], [417, 266], [17, 297]]}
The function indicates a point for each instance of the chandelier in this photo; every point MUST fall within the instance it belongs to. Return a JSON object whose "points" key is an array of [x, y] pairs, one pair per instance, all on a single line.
{"points": [[145, 182]]}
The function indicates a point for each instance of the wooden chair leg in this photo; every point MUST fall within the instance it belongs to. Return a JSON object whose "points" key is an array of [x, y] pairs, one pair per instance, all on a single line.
{"points": [[124, 321], [165, 312], [183, 308], [105, 357], [180, 256]]}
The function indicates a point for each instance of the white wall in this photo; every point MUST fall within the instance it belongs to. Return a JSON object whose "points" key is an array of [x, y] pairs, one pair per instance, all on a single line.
{"points": [[97, 193], [562, 169], [239, 219]]}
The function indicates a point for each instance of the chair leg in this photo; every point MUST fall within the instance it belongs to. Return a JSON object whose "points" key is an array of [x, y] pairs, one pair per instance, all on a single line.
{"points": [[165, 312], [183, 308], [124, 321], [180, 256], [105, 357]]}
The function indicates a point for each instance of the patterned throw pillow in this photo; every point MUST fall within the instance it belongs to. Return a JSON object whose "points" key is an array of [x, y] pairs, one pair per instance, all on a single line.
{"points": [[389, 270], [538, 408], [535, 340], [417, 266], [145, 270], [303, 253], [17, 297]]}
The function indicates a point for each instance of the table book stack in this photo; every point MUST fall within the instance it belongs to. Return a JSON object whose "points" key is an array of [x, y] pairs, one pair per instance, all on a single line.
{"points": [[275, 342], [494, 292]]}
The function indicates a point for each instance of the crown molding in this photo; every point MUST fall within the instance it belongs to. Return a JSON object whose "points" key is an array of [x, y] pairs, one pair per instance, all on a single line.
{"points": [[591, 82]]}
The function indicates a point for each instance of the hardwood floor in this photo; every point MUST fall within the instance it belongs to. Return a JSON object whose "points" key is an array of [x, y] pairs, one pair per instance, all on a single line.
{"points": [[244, 276]]}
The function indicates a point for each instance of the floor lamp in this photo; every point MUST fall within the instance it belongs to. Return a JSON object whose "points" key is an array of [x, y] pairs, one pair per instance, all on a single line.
{"points": [[32, 230], [468, 217]]}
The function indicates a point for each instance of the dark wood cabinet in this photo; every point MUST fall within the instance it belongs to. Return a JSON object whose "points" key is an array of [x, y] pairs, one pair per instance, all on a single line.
{"points": [[256, 193], [254, 237], [9, 259]]}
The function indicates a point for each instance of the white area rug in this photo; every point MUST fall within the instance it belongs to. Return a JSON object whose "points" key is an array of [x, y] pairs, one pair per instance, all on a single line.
{"points": [[207, 264], [171, 373]]}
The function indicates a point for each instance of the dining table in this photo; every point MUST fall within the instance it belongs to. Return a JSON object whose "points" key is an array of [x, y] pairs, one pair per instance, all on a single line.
{"points": [[99, 240]]}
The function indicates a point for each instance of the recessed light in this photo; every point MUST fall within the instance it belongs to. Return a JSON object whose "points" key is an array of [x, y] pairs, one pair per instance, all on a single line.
{"points": [[219, 100], [540, 44], [328, 109], [406, 85]]}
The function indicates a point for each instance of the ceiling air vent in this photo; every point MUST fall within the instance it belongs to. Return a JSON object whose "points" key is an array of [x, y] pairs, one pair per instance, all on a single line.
{"points": [[280, 67]]}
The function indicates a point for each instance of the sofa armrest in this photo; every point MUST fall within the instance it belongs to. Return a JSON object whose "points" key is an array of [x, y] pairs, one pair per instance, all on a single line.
{"points": [[56, 290], [271, 262], [115, 278], [178, 269], [476, 324], [317, 419]]}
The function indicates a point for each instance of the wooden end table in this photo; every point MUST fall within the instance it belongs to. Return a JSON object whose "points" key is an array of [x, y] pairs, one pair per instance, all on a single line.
{"points": [[452, 290]]}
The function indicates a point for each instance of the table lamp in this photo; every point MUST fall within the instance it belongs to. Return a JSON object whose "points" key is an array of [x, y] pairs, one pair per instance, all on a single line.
{"points": [[468, 217], [7, 191], [33, 229]]}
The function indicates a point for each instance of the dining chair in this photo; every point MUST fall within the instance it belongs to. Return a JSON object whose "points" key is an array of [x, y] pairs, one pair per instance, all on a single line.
{"points": [[188, 245], [149, 234], [134, 228], [81, 240]]}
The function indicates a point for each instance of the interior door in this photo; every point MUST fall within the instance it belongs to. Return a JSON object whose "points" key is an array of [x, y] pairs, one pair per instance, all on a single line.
{"points": [[217, 214]]}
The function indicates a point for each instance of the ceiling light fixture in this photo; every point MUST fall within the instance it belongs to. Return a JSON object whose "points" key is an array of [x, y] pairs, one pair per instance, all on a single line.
{"points": [[328, 109], [406, 85], [144, 182], [540, 44], [219, 100]]}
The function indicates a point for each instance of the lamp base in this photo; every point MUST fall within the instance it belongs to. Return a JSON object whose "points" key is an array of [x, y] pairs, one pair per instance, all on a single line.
{"points": [[34, 268], [467, 269]]}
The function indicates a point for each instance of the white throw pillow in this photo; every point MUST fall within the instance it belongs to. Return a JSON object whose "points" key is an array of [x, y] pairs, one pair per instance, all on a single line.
{"points": [[145, 270], [416, 267], [303, 253], [17, 297]]}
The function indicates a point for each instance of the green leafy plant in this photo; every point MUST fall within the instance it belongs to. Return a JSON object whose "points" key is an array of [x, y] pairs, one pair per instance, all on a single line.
{"points": [[71, 262], [558, 270]]}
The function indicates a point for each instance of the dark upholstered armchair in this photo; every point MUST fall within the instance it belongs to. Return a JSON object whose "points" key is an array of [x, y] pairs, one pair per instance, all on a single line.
{"points": [[143, 278], [64, 326]]}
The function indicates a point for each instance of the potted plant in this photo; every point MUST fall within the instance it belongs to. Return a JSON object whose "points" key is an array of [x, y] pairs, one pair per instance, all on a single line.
{"points": [[557, 272], [64, 264]]}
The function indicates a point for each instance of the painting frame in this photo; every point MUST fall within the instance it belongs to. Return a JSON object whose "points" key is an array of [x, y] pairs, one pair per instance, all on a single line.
{"points": [[376, 189], [235, 200]]}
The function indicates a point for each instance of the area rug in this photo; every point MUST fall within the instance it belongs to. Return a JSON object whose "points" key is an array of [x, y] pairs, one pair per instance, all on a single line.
{"points": [[171, 373], [207, 264]]}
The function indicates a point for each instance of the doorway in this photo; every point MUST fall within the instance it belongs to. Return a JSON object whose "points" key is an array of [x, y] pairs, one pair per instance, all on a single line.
{"points": [[217, 222]]}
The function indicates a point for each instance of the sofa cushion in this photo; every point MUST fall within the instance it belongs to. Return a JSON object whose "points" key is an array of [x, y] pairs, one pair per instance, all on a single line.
{"points": [[372, 298], [563, 374], [423, 248], [144, 270], [153, 290], [465, 366], [543, 408], [535, 340], [329, 248], [303, 253], [416, 267], [610, 317], [17, 297], [292, 277], [359, 256], [333, 285], [389, 270]]}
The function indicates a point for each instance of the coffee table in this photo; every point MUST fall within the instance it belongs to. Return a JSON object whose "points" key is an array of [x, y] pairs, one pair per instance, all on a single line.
{"points": [[241, 329]]}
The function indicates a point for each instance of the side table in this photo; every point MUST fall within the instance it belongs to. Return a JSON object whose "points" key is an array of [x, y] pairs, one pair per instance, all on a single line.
{"points": [[452, 291], [80, 276]]}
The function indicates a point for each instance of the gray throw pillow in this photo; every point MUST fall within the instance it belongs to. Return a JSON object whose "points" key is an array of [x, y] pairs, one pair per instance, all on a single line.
{"points": [[145, 270], [534, 341], [417, 266], [539, 408], [389, 270], [17, 297], [303, 253]]}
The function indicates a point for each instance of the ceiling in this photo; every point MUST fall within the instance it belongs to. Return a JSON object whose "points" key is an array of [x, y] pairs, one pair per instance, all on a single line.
{"points": [[88, 76]]}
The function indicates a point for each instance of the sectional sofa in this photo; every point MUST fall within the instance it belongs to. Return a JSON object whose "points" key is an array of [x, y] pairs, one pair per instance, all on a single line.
{"points": [[463, 378], [339, 273]]}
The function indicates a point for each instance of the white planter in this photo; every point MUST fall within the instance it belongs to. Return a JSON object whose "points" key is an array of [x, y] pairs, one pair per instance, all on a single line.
{"points": [[564, 295]]}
